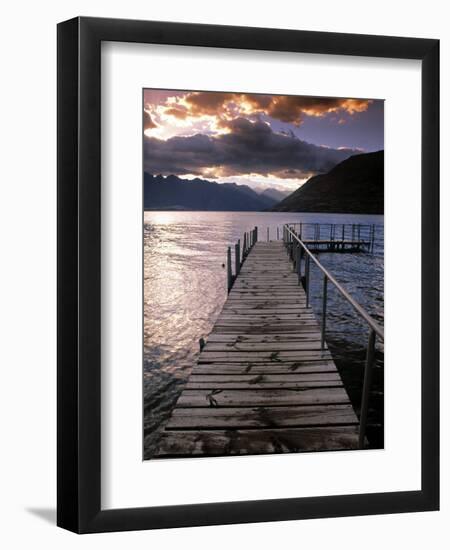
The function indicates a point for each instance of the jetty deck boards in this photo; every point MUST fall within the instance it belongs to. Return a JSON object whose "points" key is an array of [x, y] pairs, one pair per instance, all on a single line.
{"points": [[262, 383]]}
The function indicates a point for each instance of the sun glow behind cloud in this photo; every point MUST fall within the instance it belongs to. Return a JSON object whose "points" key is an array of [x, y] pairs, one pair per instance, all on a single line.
{"points": [[243, 138]]}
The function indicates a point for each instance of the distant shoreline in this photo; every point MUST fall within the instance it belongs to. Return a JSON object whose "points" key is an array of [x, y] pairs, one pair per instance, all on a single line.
{"points": [[264, 211]]}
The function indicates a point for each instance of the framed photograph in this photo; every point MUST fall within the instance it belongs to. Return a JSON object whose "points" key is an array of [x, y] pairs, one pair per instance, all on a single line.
{"points": [[248, 256]]}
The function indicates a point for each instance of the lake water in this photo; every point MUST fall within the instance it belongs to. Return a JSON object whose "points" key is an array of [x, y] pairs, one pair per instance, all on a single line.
{"points": [[185, 289]]}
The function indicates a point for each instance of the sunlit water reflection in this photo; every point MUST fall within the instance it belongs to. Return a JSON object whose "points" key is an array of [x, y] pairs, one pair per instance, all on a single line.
{"points": [[185, 289]]}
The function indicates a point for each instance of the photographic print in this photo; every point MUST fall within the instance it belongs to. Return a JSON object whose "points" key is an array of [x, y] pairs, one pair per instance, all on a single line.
{"points": [[245, 230], [263, 240]]}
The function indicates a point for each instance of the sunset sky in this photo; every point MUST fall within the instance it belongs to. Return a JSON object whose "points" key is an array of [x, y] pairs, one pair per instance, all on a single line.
{"points": [[260, 140]]}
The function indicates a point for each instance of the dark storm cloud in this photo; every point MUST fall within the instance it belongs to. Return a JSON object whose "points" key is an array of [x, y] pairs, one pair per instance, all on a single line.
{"points": [[248, 148]]}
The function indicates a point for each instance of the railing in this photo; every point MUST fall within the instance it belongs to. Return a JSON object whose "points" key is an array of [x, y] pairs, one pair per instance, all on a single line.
{"points": [[336, 236], [249, 240], [297, 249]]}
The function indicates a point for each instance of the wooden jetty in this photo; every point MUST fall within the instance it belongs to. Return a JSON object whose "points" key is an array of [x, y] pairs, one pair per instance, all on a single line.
{"points": [[265, 381]]}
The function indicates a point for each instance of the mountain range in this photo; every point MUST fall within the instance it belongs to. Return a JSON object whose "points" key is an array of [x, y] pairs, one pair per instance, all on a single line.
{"points": [[174, 193], [355, 185]]}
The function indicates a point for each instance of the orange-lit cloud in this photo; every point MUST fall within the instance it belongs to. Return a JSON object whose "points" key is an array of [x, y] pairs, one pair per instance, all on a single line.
{"points": [[220, 107], [177, 111], [293, 108], [209, 103]]}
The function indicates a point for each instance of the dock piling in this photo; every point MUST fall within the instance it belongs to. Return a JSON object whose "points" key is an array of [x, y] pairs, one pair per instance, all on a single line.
{"points": [[324, 311], [368, 369], [237, 257], [307, 262], [229, 272]]}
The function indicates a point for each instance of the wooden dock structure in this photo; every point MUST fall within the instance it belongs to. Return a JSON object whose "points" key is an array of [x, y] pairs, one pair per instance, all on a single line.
{"points": [[265, 382]]}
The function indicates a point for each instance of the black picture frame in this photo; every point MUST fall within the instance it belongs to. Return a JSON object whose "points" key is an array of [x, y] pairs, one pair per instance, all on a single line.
{"points": [[79, 281]]}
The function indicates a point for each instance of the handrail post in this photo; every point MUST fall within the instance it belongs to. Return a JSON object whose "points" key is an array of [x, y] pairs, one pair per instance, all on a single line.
{"points": [[229, 272], [298, 261], [307, 280], [302, 253], [256, 233], [324, 311], [237, 257], [366, 387]]}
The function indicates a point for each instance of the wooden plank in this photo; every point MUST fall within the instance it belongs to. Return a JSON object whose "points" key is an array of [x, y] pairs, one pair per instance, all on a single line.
{"points": [[269, 328], [285, 385], [251, 278], [261, 417], [265, 368], [269, 378], [242, 442], [258, 313], [263, 295], [233, 398], [256, 309], [263, 346], [267, 276], [265, 272], [250, 284], [263, 381], [262, 317], [245, 302], [262, 356], [240, 337]]}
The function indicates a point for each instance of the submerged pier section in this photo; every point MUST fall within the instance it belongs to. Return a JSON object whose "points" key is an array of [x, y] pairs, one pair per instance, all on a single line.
{"points": [[265, 381]]}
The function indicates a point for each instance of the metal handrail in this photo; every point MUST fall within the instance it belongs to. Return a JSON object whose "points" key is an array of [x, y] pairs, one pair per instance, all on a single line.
{"points": [[363, 234], [289, 236], [359, 309]]}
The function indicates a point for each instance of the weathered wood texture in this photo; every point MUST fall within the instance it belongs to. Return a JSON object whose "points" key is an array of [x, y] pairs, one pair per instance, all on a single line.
{"points": [[262, 383]]}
